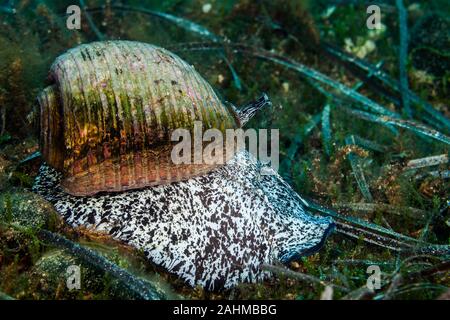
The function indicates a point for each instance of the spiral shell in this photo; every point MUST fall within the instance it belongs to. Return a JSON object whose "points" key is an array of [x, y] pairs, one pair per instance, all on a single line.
{"points": [[107, 116]]}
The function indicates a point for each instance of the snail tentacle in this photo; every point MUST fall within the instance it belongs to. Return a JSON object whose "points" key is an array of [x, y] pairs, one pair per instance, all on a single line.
{"points": [[247, 112]]}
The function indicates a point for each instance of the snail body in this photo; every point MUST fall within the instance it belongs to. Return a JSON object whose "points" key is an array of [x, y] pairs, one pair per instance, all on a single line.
{"points": [[214, 231], [107, 116]]}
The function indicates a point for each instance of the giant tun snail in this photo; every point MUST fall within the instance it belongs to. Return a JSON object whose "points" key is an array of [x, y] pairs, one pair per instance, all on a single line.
{"points": [[107, 115], [105, 123]]}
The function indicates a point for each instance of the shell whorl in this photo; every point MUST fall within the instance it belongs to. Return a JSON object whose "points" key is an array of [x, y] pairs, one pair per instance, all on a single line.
{"points": [[107, 116]]}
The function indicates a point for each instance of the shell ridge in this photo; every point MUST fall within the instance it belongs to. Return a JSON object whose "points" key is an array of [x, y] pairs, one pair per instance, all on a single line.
{"points": [[72, 126], [109, 164], [183, 113], [145, 49], [146, 115], [160, 112], [95, 170], [124, 169], [137, 131]]}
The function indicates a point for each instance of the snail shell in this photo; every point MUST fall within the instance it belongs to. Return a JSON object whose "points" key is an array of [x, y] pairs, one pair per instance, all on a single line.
{"points": [[107, 116]]}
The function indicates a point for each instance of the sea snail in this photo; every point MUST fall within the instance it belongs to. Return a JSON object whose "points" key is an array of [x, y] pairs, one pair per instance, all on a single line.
{"points": [[105, 119], [107, 115]]}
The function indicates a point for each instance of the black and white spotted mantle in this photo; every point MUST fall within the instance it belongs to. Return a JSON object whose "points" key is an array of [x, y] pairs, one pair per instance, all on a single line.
{"points": [[214, 231]]}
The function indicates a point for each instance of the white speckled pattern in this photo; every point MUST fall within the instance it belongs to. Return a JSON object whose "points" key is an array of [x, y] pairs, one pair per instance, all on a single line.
{"points": [[214, 231]]}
